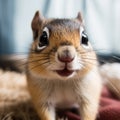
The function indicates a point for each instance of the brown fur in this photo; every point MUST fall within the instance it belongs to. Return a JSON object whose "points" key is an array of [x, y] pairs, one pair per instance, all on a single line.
{"points": [[45, 87]]}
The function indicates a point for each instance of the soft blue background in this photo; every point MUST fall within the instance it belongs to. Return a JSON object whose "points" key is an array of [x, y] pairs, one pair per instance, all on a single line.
{"points": [[102, 21]]}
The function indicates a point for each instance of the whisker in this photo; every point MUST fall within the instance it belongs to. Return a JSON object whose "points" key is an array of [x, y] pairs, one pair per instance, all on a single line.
{"points": [[40, 64], [21, 59], [34, 61], [100, 59], [89, 62], [88, 58], [94, 50], [82, 53]]}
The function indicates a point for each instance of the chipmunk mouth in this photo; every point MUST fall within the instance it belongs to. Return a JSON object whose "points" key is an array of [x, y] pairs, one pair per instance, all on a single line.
{"points": [[65, 72]]}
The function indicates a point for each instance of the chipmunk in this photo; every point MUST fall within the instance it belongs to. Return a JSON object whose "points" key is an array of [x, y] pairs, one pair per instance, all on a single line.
{"points": [[62, 70]]}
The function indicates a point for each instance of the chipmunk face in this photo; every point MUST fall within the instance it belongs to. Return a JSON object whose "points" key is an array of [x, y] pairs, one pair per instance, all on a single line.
{"points": [[61, 48]]}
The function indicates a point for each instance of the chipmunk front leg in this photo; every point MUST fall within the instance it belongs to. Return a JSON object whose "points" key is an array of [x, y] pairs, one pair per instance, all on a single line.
{"points": [[44, 108], [88, 111], [89, 99], [46, 112]]}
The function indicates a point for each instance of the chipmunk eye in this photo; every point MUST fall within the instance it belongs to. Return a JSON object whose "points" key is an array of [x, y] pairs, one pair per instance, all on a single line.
{"points": [[43, 40], [84, 39]]}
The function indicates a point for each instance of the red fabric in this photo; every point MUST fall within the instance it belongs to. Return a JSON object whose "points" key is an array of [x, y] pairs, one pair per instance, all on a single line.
{"points": [[109, 108]]}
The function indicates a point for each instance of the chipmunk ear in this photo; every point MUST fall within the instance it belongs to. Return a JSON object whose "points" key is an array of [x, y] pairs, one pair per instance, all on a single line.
{"points": [[80, 18], [36, 23]]}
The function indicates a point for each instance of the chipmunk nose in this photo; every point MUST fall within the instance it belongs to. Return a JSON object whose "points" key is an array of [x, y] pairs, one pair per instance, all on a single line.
{"points": [[65, 56]]}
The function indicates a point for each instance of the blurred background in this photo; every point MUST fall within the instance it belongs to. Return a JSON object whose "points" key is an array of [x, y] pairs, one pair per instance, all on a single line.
{"points": [[102, 22]]}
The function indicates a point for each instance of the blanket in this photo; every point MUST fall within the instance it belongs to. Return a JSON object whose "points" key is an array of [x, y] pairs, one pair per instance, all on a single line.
{"points": [[109, 107]]}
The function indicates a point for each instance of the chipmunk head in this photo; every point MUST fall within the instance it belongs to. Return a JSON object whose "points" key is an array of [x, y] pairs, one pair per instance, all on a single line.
{"points": [[61, 48]]}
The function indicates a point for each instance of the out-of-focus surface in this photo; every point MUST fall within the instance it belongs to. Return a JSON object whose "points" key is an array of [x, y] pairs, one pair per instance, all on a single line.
{"points": [[15, 101], [101, 22], [14, 97]]}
